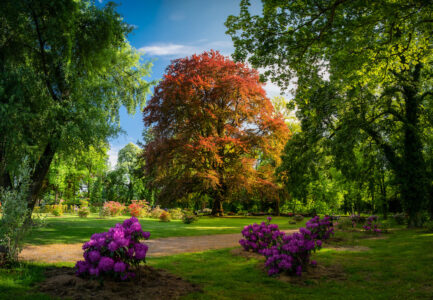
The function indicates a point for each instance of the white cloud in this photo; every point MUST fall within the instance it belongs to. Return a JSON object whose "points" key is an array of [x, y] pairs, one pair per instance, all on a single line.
{"points": [[179, 50], [167, 49]]}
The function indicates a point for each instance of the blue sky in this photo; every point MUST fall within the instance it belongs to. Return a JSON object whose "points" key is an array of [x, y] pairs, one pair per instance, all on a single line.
{"points": [[165, 30]]}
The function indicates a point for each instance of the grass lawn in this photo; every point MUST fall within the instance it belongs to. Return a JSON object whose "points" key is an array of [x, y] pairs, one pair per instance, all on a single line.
{"points": [[72, 229], [398, 267]]}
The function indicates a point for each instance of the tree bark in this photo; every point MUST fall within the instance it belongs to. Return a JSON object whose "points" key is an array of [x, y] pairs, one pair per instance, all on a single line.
{"points": [[217, 209], [38, 176], [413, 171]]}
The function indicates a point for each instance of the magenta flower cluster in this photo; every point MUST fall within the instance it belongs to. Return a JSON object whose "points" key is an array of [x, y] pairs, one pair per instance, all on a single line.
{"points": [[372, 225], [113, 253], [291, 253], [259, 237]]}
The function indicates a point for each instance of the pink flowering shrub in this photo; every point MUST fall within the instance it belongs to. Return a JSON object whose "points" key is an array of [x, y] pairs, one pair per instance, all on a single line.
{"points": [[287, 253], [115, 252], [114, 208], [372, 225], [260, 237]]}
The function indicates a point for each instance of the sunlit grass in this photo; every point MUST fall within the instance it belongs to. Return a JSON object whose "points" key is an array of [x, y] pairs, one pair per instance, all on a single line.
{"points": [[72, 229]]}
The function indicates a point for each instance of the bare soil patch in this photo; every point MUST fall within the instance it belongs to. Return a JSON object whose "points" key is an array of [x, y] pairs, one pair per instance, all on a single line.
{"points": [[158, 247], [149, 283]]}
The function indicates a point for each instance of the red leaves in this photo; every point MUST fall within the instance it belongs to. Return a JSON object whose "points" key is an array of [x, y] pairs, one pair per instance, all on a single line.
{"points": [[210, 119]]}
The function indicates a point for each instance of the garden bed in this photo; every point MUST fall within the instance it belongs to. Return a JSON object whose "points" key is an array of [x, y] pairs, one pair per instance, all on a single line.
{"points": [[149, 283]]}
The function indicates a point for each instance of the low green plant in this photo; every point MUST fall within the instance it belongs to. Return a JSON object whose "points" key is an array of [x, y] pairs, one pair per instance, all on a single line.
{"points": [[156, 212], [189, 218], [57, 210], [104, 212], [83, 212], [298, 218], [176, 213], [13, 225], [165, 216]]}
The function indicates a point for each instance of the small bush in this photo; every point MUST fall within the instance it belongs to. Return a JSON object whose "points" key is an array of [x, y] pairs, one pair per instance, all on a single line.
{"points": [[259, 237], [83, 212], [104, 212], [400, 218], [189, 218], [372, 225], [115, 208], [139, 208], [94, 209], [57, 210], [298, 218], [357, 219], [165, 216], [113, 253], [176, 213], [156, 212]]}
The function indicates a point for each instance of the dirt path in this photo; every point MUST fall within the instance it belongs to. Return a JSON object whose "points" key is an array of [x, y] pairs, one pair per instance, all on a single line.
{"points": [[158, 247]]}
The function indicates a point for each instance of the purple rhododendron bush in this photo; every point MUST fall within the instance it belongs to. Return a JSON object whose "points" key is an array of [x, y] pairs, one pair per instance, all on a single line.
{"points": [[287, 253], [114, 253]]}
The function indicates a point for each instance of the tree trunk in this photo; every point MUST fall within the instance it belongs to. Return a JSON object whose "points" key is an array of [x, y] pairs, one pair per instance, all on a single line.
{"points": [[413, 175], [217, 209], [38, 176]]}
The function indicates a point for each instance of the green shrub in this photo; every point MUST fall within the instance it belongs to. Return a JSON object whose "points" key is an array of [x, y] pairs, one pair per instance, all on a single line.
{"points": [[189, 218], [94, 209], [156, 212], [176, 213], [104, 212], [83, 212], [57, 210], [13, 227], [165, 216], [298, 218]]}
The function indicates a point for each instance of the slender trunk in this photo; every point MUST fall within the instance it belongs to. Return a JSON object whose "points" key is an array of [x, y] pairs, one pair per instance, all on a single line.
{"points": [[277, 206], [38, 176]]}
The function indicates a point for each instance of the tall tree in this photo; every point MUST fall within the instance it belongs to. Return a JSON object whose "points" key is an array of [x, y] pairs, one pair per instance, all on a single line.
{"points": [[379, 61], [65, 70], [210, 121]]}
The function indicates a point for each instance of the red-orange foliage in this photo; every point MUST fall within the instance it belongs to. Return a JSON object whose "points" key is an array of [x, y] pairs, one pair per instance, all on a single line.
{"points": [[210, 122]]}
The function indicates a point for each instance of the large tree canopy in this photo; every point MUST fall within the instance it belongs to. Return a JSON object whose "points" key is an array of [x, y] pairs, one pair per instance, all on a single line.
{"points": [[363, 71], [211, 125], [65, 70]]}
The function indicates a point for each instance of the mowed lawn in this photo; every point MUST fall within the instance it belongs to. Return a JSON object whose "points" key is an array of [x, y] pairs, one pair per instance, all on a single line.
{"points": [[397, 267], [72, 229]]}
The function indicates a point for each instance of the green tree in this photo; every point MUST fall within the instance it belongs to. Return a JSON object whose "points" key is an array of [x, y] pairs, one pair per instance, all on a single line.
{"points": [[362, 67], [65, 70]]}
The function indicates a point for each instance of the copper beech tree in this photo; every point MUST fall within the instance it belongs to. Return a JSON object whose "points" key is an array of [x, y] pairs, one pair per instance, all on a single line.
{"points": [[212, 131]]}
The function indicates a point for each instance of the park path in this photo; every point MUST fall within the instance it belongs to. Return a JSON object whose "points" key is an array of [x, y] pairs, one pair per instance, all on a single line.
{"points": [[158, 247]]}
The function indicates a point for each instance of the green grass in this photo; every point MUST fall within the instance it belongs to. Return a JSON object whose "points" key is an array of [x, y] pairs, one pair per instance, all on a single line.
{"points": [[399, 267], [72, 229]]}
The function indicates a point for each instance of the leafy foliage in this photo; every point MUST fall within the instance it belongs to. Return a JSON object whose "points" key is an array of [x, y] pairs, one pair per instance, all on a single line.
{"points": [[211, 124], [363, 89]]}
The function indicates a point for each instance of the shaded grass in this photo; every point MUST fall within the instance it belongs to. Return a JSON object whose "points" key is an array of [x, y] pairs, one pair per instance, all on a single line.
{"points": [[72, 229], [398, 267]]}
